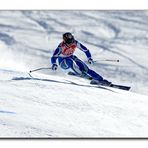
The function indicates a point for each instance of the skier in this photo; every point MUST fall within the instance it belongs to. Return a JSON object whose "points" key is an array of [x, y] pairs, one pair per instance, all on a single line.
{"points": [[66, 58]]}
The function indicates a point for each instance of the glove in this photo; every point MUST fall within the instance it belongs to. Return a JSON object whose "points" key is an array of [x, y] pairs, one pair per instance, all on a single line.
{"points": [[90, 61], [54, 67]]}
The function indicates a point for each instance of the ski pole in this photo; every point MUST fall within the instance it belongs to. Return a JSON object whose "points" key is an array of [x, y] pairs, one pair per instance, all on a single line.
{"points": [[39, 69], [107, 60]]}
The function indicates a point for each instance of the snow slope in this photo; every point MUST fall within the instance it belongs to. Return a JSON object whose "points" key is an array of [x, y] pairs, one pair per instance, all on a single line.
{"points": [[54, 104]]}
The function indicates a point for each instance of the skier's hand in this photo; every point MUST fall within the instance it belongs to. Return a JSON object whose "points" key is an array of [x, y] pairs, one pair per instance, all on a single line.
{"points": [[54, 67], [90, 61]]}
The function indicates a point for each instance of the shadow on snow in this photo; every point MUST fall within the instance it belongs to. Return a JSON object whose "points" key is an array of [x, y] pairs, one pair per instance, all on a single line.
{"points": [[56, 81]]}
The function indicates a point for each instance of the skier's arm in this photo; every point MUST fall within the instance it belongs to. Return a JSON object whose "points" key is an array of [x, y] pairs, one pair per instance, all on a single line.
{"points": [[54, 58], [55, 55], [84, 49]]}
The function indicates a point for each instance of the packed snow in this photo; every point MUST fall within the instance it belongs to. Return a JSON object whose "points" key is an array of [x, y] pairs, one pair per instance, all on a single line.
{"points": [[52, 104]]}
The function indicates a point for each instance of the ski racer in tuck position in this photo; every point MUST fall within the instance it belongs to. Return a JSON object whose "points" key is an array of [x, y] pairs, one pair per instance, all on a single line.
{"points": [[66, 58]]}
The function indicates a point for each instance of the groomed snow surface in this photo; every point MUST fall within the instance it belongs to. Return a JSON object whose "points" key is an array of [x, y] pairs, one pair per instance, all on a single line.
{"points": [[57, 105]]}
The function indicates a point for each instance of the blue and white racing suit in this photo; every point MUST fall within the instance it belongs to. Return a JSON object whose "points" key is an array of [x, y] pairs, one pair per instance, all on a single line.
{"points": [[66, 59]]}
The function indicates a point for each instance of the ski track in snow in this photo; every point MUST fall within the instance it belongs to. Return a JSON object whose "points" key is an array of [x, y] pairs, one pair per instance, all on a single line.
{"points": [[54, 104]]}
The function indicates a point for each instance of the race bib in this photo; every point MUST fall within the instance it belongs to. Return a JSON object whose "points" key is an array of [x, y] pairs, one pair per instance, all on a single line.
{"points": [[68, 50]]}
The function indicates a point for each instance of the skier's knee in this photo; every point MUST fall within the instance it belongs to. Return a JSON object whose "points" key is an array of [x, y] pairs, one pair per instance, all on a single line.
{"points": [[64, 65]]}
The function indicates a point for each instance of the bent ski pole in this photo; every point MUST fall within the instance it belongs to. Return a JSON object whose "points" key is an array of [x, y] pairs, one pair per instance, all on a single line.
{"points": [[39, 69]]}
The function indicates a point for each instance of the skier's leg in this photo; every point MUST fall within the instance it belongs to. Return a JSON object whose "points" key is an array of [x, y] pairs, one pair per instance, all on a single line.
{"points": [[95, 75], [66, 63], [85, 70], [97, 79], [63, 64], [80, 68]]}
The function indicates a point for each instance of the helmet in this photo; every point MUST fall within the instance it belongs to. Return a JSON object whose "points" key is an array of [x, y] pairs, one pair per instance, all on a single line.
{"points": [[68, 38]]}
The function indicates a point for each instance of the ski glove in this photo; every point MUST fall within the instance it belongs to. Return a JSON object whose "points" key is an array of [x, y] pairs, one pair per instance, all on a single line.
{"points": [[90, 61], [54, 67]]}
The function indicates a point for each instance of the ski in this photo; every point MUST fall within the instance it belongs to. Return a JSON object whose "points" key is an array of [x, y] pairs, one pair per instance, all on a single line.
{"points": [[95, 82], [120, 87]]}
